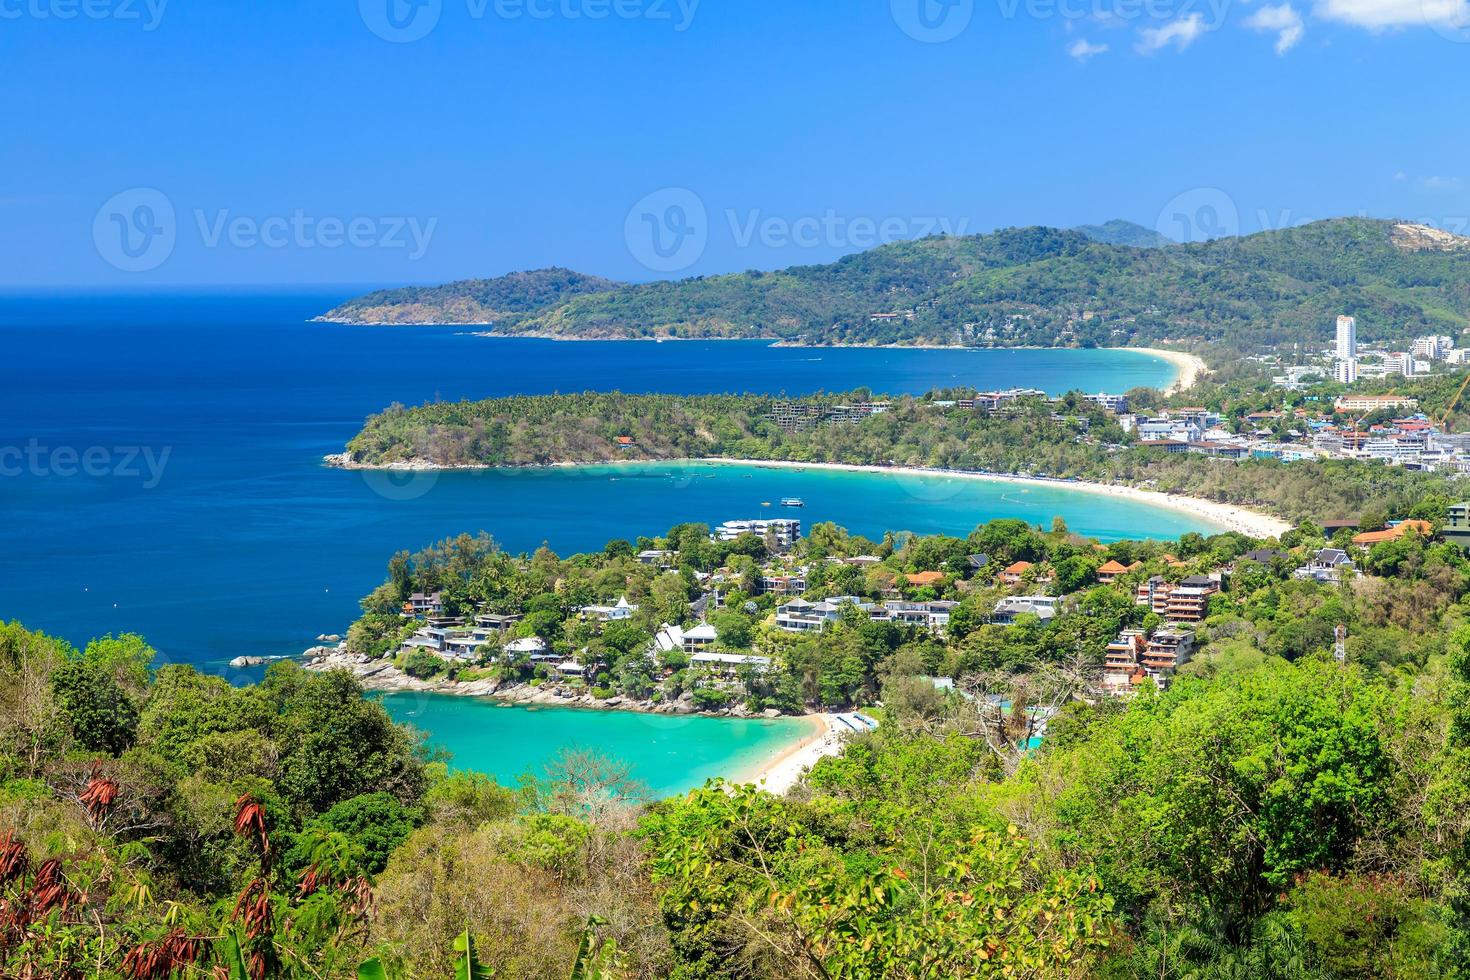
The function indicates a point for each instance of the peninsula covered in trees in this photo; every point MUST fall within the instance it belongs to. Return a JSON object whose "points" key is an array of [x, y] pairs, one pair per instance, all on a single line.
{"points": [[1072, 439], [1107, 286]]}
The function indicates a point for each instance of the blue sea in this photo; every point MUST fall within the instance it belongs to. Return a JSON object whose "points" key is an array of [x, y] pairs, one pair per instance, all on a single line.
{"points": [[160, 458]]}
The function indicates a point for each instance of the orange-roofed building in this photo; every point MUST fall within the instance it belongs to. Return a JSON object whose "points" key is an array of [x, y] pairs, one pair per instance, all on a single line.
{"points": [[1369, 538], [1109, 572], [1013, 573], [925, 578]]}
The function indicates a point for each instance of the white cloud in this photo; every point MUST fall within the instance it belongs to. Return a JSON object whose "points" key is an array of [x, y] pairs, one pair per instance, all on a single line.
{"points": [[1379, 15], [1282, 20], [1181, 33], [1082, 49], [1437, 183]]}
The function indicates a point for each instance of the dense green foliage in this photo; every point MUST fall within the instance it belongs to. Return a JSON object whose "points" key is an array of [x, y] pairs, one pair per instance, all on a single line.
{"points": [[1272, 814], [1037, 286], [1071, 439]]}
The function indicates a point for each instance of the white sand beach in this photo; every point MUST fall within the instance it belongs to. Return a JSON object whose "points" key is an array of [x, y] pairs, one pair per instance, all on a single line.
{"points": [[1191, 368], [786, 766], [1224, 516]]}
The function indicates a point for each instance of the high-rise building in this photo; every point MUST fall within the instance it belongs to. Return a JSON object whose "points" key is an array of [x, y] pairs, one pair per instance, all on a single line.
{"points": [[1432, 348], [1399, 363], [1345, 372], [1347, 338]]}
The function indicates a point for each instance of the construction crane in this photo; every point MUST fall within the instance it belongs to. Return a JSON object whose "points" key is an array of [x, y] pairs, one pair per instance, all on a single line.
{"points": [[1444, 422]]}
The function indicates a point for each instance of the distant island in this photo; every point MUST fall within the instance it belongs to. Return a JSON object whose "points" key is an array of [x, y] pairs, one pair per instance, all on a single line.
{"points": [[1109, 285]]}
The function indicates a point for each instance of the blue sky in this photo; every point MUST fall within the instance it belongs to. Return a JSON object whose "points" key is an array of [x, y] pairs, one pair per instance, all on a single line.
{"points": [[150, 142]]}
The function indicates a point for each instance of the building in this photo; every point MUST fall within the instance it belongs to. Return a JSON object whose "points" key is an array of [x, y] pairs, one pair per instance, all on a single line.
{"points": [[1373, 403], [777, 584], [1328, 566], [924, 579], [1189, 601], [1432, 348], [1117, 404], [425, 604], [1121, 667], [1167, 649], [499, 622], [783, 531], [531, 646], [1111, 571], [1008, 610], [1399, 363], [1345, 372], [700, 638], [695, 640], [728, 665], [802, 616], [610, 614], [1393, 532], [1013, 573], [1154, 594], [1456, 527], [1347, 338], [932, 616]]}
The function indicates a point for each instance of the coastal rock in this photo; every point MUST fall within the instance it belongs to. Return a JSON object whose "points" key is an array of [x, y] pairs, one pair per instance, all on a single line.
{"points": [[771, 713], [247, 661]]}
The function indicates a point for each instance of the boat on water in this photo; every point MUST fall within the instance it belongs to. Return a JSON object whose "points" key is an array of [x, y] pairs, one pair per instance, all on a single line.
{"points": [[792, 502]]}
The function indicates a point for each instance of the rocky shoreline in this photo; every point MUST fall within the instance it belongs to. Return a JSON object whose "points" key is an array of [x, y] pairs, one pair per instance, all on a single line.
{"points": [[382, 675]]}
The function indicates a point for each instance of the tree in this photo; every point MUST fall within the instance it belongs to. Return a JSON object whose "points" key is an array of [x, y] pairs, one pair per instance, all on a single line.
{"points": [[94, 706]]}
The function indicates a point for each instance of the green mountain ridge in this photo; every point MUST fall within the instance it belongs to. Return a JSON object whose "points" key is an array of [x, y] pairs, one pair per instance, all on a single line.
{"points": [[1015, 287]]}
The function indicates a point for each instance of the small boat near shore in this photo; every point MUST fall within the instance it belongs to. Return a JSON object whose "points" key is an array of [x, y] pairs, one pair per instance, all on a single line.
{"points": [[792, 502]]}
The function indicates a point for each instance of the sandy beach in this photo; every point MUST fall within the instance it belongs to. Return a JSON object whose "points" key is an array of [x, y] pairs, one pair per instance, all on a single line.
{"points": [[1225, 516], [786, 766], [1191, 368]]}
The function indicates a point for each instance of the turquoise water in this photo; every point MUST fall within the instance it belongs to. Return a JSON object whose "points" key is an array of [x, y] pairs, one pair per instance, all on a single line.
{"points": [[669, 754]]}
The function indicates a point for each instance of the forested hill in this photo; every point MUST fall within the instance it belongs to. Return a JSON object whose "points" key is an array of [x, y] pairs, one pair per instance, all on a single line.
{"points": [[1071, 438], [1119, 232], [1016, 287], [470, 300]]}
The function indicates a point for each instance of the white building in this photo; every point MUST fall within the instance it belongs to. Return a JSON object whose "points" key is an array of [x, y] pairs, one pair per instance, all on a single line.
{"points": [[801, 616], [606, 614], [1345, 372], [1399, 363], [1347, 338], [1113, 403], [785, 530], [1432, 348]]}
